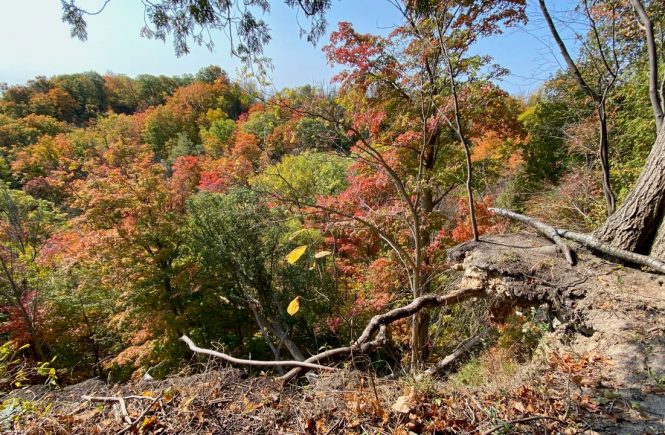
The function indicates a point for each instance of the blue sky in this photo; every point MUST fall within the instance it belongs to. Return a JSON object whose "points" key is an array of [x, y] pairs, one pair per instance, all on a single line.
{"points": [[36, 42]]}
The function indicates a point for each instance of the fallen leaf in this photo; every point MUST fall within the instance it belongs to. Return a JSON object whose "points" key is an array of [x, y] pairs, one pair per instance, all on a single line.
{"points": [[401, 405]]}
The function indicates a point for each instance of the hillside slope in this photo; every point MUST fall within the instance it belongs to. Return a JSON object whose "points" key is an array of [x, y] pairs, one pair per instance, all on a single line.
{"points": [[600, 369]]}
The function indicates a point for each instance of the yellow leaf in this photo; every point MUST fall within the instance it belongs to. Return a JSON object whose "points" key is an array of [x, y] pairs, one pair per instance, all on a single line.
{"points": [[322, 254], [294, 306], [296, 254]]}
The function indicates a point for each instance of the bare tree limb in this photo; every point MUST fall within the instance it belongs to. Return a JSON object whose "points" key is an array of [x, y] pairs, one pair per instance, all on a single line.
{"points": [[337, 353], [120, 400], [595, 244], [138, 419], [379, 322], [544, 229], [248, 362]]}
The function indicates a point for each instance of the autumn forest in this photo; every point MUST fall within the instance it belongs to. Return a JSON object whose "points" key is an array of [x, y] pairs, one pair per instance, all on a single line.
{"points": [[276, 225]]}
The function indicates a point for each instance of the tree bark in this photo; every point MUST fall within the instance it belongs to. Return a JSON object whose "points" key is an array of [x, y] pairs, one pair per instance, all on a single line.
{"points": [[635, 225], [603, 152], [654, 95]]}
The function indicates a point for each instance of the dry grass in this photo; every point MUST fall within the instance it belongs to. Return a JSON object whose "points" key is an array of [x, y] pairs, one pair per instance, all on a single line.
{"points": [[485, 392]]}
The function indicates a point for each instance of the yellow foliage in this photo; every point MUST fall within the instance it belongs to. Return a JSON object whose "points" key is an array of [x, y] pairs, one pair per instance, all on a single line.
{"points": [[294, 306], [295, 255]]}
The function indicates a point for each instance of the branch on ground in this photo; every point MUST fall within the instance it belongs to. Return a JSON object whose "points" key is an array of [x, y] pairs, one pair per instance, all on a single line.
{"points": [[379, 322], [250, 362], [544, 229], [557, 235]]}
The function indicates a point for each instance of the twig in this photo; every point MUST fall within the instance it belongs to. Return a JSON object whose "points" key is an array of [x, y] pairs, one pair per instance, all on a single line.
{"points": [[118, 399], [257, 363], [140, 417], [521, 420]]}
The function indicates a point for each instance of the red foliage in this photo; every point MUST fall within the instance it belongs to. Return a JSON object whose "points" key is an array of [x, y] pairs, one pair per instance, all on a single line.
{"points": [[486, 221]]}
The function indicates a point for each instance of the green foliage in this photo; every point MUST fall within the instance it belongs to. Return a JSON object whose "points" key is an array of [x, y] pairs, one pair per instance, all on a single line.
{"points": [[306, 175]]}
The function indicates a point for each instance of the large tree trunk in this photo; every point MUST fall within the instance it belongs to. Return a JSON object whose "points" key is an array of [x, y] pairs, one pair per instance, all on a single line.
{"points": [[636, 224]]}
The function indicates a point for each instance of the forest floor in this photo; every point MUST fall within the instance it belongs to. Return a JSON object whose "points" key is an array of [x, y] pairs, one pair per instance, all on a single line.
{"points": [[600, 370]]}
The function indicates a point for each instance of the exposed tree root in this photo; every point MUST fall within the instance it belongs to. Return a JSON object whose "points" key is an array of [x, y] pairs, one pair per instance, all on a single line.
{"points": [[587, 240]]}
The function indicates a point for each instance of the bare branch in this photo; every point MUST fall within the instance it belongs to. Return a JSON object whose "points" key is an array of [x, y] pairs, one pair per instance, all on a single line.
{"points": [[249, 362], [591, 242], [379, 322], [545, 230], [586, 240]]}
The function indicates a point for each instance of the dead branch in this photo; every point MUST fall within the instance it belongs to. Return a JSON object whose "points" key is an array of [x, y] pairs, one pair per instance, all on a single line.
{"points": [[521, 420], [586, 240], [114, 398], [544, 229], [337, 353], [595, 244], [138, 419], [453, 357], [248, 362], [378, 323]]}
